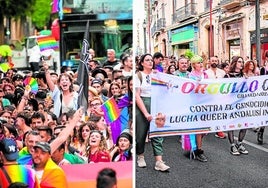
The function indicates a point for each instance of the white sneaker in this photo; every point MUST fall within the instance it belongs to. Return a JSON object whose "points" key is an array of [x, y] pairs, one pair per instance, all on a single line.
{"points": [[141, 162], [160, 166]]}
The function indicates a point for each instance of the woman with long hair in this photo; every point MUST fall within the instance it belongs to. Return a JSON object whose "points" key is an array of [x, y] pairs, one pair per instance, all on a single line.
{"points": [[236, 71], [114, 90], [83, 136], [63, 95], [143, 116], [97, 148], [99, 123], [250, 69], [171, 69]]}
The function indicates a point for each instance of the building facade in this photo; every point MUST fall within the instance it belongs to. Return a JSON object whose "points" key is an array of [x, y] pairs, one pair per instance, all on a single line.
{"points": [[208, 27]]}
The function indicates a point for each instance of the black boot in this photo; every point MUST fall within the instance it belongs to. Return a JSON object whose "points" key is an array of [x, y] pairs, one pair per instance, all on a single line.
{"points": [[260, 137]]}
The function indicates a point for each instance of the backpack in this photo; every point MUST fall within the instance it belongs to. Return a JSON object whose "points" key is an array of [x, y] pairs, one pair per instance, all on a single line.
{"points": [[139, 76]]}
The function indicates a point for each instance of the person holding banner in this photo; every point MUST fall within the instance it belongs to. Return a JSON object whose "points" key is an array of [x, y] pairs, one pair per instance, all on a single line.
{"points": [[198, 74], [235, 71], [263, 71], [188, 142], [214, 72], [143, 116]]}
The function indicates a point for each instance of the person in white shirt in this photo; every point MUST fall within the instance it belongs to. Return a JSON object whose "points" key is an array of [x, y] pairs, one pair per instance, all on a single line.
{"points": [[127, 65], [213, 73], [34, 58]]}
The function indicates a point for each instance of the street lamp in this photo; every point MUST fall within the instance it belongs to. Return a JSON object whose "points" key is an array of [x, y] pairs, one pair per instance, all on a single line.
{"points": [[144, 25]]}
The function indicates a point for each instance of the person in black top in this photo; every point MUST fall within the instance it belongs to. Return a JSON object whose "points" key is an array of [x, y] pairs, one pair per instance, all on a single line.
{"points": [[111, 59], [236, 68]]}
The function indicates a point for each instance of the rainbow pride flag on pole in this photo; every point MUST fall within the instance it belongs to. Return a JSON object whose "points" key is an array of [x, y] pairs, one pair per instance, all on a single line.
{"points": [[47, 42], [111, 110]]}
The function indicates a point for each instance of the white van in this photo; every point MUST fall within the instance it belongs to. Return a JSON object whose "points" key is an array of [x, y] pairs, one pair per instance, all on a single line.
{"points": [[22, 52]]}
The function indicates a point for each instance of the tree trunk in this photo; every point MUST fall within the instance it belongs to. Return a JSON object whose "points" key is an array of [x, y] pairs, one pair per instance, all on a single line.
{"points": [[2, 30]]}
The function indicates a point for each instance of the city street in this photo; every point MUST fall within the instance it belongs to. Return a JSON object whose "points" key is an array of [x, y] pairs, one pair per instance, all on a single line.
{"points": [[222, 170]]}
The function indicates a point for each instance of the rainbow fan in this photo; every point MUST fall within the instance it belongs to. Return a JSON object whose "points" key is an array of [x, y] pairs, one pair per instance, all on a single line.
{"points": [[32, 84]]}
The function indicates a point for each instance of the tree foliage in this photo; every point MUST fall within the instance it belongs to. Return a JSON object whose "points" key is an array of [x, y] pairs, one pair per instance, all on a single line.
{"points": [[38, 10], [41, 14], [16, 8]]}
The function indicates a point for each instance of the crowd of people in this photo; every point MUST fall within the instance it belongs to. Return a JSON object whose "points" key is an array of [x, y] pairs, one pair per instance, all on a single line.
{"points": [[42, 130], [197, 68]]}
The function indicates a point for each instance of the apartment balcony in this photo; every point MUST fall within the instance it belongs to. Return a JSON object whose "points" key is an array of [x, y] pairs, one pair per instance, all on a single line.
{"points": [[186, 12], [229, 4], [159, 25]]}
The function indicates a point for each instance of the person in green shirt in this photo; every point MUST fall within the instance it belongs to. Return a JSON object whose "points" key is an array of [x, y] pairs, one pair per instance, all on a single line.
{"points": [[6, 53]]}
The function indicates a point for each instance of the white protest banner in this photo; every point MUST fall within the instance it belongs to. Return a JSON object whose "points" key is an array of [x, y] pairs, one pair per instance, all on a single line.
{"points": [[183, 106]]}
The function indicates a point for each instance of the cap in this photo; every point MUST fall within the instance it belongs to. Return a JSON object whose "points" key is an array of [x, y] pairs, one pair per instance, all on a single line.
{"points": [[93, 90], [44, 146], [9, 148], [196, 59], [17, 77], [97, 71], [96, 81], [125, 135]]}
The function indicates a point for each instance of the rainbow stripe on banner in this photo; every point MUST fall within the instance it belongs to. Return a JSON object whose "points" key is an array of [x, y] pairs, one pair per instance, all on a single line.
{"points": [[111, 111], [179, 132], [47, 42], [158, 82]]}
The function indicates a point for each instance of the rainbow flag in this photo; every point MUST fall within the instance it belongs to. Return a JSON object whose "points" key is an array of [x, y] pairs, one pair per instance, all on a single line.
{"points": [[47, 42], [25, 158], [124, 101], [120, 124], [158, 82], [4, 67], [111, 111], [53, 176], [20, 173]]}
